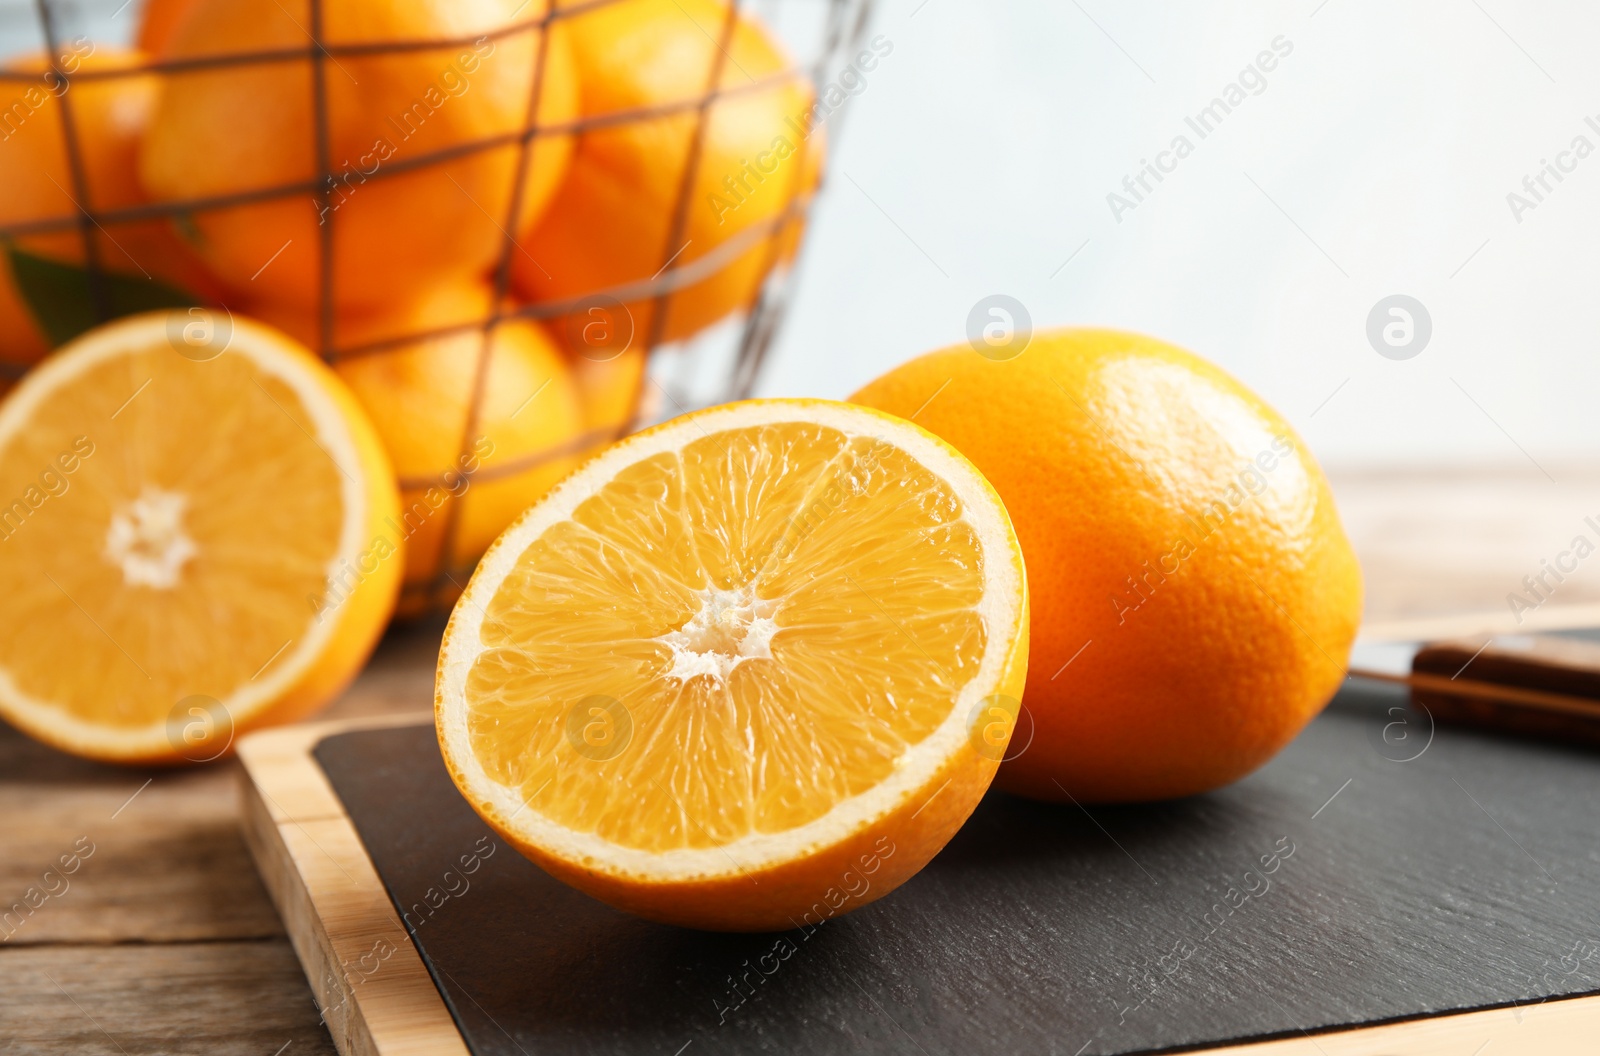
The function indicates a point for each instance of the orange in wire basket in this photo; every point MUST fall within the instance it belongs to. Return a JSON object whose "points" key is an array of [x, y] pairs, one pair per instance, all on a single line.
{"points": [[746, 670], [193, 539], [400, 222], [612, 388], [526, 435], [650, 62], [159, 21], [36, 183]]}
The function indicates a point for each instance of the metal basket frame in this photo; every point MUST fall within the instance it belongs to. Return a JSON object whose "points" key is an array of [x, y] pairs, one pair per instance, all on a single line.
{"points": [[846, 22]]}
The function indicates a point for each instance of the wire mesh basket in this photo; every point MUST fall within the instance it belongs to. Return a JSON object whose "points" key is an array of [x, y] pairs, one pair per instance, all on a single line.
{"points": [[717, 353]]}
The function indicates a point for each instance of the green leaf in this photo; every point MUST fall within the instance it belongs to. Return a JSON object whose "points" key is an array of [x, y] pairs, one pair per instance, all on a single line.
{"points": [[63, 303]]}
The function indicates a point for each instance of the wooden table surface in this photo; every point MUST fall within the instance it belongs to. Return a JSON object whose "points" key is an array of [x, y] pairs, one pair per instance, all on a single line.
{"points": [[164, 940]]}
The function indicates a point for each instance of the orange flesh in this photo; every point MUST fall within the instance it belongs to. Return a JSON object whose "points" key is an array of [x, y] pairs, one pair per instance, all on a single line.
{"points": [[202, 486], [752, 602]]}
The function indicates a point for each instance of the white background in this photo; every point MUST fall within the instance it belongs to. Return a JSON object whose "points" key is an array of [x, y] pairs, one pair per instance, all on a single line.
{"points": [[1391, 135]]}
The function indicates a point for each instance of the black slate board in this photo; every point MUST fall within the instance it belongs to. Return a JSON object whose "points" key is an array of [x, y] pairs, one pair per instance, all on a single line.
{"points": [[1466, 877]]}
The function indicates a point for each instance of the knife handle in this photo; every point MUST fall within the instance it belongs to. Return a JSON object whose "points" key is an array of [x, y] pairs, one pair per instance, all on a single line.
{"points": [[1538, 685]]}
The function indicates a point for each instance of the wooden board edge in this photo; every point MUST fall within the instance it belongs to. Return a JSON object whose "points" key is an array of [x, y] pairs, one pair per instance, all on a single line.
{"points": [[279, 760], [377, 996], [1565, 1025]]}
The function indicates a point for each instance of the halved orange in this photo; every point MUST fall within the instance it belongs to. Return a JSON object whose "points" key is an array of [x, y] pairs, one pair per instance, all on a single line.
{"points": [[747, 670], [194, 538]]}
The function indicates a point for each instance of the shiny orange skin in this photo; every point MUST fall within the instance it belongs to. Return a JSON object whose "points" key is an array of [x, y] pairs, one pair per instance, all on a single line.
{"points": [[610, 222], [396, 231], [1171, 655], [110, 117]]}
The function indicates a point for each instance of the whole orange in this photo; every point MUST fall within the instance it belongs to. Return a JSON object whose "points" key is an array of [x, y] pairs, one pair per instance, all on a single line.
{"points": [[401, 217], [418, 394], [612, 218], [1194, 595], [36, 184]]}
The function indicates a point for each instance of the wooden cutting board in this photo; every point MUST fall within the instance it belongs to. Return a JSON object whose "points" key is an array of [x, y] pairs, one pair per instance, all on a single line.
{"points": [[1347, 898]]}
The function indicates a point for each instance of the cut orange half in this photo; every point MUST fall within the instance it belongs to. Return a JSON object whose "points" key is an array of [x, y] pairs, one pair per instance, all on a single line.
{"points": [[747, 670], [195, 538]]}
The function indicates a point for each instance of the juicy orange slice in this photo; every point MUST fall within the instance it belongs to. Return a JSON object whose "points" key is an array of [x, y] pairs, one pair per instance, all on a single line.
{"points": [[739, 659], [195, 538]]}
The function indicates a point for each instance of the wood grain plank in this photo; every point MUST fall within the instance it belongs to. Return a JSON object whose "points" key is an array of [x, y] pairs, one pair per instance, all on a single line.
{"points": [[168, 862], [100, 854], [206, 999], [155, 914], [1437, 541]]}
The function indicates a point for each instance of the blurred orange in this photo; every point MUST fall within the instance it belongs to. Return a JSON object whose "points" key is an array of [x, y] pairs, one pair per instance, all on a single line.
{"points": [[159, 22], [418, 394], [611, 220], [36, 183], [611, 389], [608, 360], [395, 230]]}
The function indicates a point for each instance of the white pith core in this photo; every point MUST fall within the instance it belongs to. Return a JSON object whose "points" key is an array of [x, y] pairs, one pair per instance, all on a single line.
{"points": [[147, 541], [730, 627]]}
